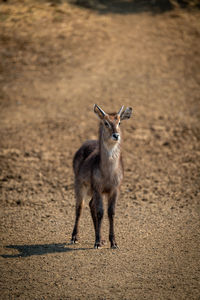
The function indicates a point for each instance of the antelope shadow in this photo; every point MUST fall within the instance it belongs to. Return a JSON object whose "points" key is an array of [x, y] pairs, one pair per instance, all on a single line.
{"points": [[120, 6], [125, 7], [129, 6], [39, 249]]}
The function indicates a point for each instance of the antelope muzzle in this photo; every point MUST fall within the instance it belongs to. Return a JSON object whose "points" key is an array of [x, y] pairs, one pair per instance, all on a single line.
{"points": [[115, 136]]}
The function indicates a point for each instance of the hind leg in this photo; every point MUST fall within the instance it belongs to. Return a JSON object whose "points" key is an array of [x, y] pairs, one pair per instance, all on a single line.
{"points": [[111, 212], [93, 213], [96, 206], [94, 218], [79, 194]]}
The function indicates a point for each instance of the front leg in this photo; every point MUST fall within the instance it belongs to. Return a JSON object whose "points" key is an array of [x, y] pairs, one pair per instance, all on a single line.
{"points": [[98, 205], [111, 212]]}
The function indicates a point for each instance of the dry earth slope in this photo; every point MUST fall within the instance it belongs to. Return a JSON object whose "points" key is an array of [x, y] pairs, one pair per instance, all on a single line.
{"points": [[56, 61]]}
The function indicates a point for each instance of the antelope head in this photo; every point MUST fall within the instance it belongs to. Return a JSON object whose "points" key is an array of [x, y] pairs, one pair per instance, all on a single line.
{"points": [[110, 123]]}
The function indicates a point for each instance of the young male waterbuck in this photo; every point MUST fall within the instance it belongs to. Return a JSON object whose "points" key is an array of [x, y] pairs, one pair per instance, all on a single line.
{"points": [[98, 170]]}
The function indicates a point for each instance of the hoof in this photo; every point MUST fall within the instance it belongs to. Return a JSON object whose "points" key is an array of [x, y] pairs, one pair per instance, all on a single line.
{"points": [[74, 240], [97, 245], [114, 246]]}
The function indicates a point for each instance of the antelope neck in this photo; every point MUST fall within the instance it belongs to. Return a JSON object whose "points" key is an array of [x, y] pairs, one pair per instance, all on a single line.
{"points": [[109, 157]]}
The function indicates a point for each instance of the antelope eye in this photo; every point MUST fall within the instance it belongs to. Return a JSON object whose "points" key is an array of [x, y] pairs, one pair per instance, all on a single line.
{"points": [[119, 123], [106, 124]]}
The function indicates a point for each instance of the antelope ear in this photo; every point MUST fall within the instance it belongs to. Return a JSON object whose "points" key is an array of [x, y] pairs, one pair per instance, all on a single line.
{"points": [[101, 114], [126, 114]]}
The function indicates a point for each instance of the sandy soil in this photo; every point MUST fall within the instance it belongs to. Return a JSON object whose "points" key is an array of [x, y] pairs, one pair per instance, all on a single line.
{"points": [[56, 61]]}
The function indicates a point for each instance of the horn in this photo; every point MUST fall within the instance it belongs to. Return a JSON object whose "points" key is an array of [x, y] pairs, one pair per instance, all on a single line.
{"points": [[121, 109], [101, 110]]}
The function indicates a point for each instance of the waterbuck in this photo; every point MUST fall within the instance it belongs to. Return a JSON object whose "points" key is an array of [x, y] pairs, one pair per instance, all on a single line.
{"points": [[98, 170]]}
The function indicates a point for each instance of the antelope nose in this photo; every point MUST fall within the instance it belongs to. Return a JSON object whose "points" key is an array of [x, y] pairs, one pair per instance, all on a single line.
{"points": [[115, 136]]}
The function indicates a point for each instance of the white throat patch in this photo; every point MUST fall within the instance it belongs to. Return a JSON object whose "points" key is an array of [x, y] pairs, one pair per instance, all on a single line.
{"points": [[113, 151]]}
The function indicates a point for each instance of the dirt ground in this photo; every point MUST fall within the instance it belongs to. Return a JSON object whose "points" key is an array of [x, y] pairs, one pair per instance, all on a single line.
{"points": [[56, 60]]}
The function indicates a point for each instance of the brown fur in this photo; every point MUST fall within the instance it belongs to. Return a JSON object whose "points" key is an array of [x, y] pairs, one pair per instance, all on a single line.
{"points": [[98, 170]]}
